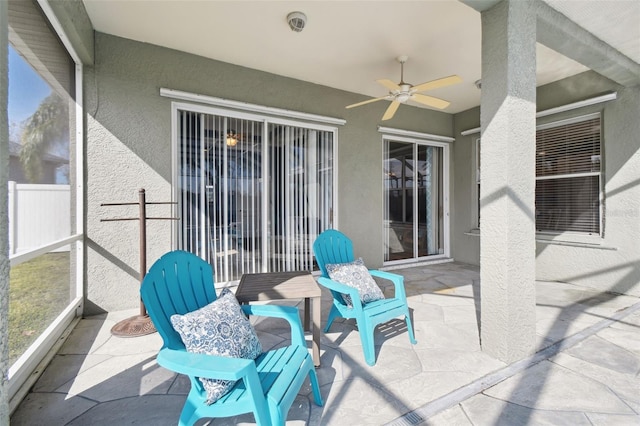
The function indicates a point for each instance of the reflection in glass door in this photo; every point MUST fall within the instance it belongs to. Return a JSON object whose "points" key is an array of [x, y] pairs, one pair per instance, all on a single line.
{"points": [[253, 194], [415, 200]]}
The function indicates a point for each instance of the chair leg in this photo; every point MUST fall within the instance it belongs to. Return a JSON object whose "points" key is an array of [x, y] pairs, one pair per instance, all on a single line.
{"points": [[315, 387], [187, 416], [332, 315], [277, 418], [264, 417], [366, 337], [412, 337]]}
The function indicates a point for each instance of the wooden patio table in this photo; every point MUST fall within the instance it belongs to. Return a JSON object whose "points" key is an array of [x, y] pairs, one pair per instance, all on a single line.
{"points": [[270, 286]]}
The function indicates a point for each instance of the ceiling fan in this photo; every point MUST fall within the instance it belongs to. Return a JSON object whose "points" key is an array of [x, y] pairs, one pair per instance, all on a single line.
{"points": [[400, 93]]}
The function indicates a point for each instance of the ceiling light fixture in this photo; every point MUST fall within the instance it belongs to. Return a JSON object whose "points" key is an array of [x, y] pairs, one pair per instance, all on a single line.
{"points": [[297, 21], [232, 140]]}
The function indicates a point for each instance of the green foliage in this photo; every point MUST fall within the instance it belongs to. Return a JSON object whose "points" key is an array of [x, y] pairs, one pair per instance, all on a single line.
{"points": [[48, 125], [38, 291]]}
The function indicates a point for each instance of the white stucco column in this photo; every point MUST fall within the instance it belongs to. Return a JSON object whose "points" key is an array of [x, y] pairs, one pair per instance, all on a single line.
{"points": [[507, 186], [4, 218]]}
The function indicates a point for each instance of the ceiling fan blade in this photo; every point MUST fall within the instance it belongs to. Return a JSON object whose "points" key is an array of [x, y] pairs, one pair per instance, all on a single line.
{"points": [[430, 101], [391, 110], [389, 84], [366, 102], [435, 84]]}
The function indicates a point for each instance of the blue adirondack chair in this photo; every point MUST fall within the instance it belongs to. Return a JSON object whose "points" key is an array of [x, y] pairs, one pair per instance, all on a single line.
{"points": [[180, 282], [333, 247]]}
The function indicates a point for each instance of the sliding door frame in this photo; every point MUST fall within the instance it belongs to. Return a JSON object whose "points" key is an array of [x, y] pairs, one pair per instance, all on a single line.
{"points": [[426, 141]]}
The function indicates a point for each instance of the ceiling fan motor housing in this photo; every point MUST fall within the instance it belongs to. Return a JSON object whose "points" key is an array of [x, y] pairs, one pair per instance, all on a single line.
{"points": [[404, 94]]}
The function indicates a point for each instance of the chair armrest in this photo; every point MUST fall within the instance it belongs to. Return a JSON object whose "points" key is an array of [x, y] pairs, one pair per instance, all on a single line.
{"points": [[342, 288], [396, 279], [206, 366], [288, 313]]}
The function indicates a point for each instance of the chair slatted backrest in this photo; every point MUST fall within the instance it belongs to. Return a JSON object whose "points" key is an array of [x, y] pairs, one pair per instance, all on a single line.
{"points": [[177, 283], [332, 246]]}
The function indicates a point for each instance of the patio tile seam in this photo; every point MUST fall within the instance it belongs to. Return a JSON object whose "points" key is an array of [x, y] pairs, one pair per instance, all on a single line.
{"points": [[604, 383], [541, 410], [590, 379], [623, 400], [459, 395], [63, 393], [627, 350], [380, 389]]}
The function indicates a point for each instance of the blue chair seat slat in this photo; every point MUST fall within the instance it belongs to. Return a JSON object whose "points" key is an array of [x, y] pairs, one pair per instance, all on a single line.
{"points": [[290, 361], [379, 307], [279, 372], [268, 369], [267, 363], [282, 395]]}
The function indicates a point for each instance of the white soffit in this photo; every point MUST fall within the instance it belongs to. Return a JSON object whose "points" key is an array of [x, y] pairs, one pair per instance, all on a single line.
{"points": [[346, 45], [617, 23]]}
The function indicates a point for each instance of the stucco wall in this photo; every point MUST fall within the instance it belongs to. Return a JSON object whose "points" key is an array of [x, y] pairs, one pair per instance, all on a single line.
{"points": [[613, 263], [73, 17], [617, 269], [465, 243], [129, 147]]}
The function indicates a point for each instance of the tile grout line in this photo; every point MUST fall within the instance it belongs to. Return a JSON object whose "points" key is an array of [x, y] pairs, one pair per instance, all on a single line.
{"points": [[459, 395]]}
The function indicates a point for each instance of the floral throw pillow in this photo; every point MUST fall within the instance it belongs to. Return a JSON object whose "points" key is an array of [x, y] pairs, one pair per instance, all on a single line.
{"points": [[220, 328], [355, 274]]}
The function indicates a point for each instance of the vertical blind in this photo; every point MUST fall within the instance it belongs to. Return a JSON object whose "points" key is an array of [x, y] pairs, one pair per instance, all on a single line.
{"points": [[568, 176], [253, 194]]}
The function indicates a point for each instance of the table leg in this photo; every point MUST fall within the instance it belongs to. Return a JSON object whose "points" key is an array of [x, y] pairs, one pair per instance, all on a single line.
{"points": [[316, 330], [307, 326]]}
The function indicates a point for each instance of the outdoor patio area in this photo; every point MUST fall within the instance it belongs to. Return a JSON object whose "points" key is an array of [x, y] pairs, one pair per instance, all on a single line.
{"points": [[585, 373]]}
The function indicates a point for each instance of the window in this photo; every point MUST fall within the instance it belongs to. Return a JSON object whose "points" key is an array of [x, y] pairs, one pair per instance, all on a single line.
{"points": [[45, 188], [568, 176], [253, 192]]}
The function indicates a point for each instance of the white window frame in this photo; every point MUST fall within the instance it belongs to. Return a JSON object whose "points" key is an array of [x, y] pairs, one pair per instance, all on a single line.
{"points": [[573, 236]]}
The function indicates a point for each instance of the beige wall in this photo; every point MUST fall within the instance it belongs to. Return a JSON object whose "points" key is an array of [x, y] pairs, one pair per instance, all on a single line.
{"points": [[611, 264], [465, 247], [129, 147], [615, 267]]}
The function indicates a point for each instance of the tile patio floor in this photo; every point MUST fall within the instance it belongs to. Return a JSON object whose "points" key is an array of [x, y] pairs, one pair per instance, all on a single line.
{"points": [[585, 373]]}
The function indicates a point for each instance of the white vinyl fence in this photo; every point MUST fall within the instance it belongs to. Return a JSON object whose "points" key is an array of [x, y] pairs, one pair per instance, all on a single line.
{"points": [[38, 215]]}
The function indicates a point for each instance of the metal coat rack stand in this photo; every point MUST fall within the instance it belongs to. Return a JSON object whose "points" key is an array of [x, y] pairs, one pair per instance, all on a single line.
{"points": [[138, 325]]}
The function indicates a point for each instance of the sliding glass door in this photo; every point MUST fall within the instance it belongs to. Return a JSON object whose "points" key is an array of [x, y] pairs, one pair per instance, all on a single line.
{"points": [[416, 199], [253, 192]]}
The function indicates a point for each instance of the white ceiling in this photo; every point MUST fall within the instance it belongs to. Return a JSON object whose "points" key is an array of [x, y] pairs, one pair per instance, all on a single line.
{"points": [[349, 44]]}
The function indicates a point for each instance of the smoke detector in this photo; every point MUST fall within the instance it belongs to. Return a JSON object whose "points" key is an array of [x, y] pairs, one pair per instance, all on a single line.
{"points": [[297, 21]]}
